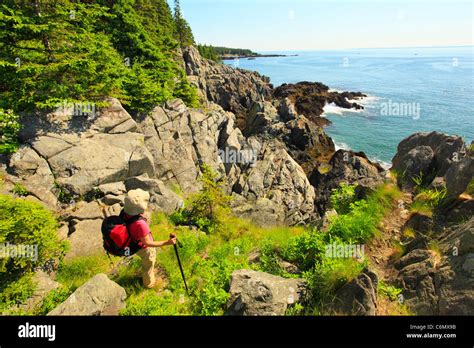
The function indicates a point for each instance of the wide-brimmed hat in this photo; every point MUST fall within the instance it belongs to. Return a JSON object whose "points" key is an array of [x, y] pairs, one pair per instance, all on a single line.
{"points": [[136, 202]]}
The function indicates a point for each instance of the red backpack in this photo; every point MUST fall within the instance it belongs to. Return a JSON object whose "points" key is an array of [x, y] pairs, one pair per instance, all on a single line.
{"points": [[117, 238]]}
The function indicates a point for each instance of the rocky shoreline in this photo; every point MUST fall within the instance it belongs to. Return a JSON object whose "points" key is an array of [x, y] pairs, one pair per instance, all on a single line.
{"points": [[65, 159]]}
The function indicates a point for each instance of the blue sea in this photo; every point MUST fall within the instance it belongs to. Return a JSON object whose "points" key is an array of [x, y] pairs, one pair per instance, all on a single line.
{"points": [[410, 90]]}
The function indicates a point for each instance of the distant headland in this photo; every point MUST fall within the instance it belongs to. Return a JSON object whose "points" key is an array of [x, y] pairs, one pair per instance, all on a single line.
{"points": [[226, 53]]}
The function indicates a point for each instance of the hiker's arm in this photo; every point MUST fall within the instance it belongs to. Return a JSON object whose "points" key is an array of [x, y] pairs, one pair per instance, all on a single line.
{"points": [[149, 242]]}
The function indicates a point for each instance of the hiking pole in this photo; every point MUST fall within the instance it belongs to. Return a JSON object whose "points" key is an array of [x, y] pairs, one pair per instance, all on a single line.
{"points": [[179, 262]]}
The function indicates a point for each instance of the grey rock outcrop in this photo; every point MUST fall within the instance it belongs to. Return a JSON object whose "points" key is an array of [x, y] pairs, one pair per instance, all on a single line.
{"points": [[358, 297], [440, 281], [79, 153], [265, 181], [180, 140], [235, 90], [434, 155], [85, 238], [34, 174], [262, 294], [417, 165], [277, 188], [99, 296]]}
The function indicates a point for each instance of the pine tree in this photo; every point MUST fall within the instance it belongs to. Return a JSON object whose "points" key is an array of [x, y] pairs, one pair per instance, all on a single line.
{"points": [[183, 30], [66, 51]]}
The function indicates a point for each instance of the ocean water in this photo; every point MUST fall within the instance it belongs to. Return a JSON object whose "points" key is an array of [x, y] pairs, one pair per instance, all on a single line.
{"points": [[410, 90]]}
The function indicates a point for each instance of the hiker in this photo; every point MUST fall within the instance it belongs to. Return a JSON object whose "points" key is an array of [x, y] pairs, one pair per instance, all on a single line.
{"points": [[135, 204]]}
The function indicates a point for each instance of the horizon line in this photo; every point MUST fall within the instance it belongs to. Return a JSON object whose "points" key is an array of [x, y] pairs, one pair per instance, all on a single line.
{"points": [[345, 49], [367, 48]]}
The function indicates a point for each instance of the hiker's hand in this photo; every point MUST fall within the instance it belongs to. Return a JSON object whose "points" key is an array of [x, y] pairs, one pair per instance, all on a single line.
{"points": [[172, 240]]}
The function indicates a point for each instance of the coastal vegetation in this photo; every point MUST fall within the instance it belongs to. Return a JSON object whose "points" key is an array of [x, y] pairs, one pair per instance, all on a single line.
{"points": [[27, 228], [212, 250], [68, 51]]}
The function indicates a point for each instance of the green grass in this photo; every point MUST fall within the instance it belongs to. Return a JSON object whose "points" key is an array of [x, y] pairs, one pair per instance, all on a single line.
{"points": [[361, 222], [52, 300], [470, 187], [388, 291], [419, 207], [19, 190], [73, 273], [209, 259]]}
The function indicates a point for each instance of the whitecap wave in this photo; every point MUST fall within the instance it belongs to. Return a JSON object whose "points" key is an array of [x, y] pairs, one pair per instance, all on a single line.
{"points": [[333, 109], [341, 146], [364, 101]]}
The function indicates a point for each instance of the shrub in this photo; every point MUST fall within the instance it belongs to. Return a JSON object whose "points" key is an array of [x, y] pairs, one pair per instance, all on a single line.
{"points": [[29, 224], [52, 300], [432, 197], [208, 208], [305, 250], [327, 277], [470, 187], [9, 129], [388, 291], [342, 198], [20, 190], [15, 290], [360, 224]]}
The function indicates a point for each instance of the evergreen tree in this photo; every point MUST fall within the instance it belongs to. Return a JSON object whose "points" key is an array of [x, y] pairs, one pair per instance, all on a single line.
{"points": [[49, 53], [184, 32], [64, 50]]}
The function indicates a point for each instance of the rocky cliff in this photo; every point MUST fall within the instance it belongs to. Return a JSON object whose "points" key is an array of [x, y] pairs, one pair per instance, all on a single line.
{"points": [[270, 149]]}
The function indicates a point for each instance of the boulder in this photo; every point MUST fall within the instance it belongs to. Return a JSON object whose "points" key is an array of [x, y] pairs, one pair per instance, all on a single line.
{"points": [[459, 176], [417, 164], [85, 211], [82, 167], [99, 296], [34, 174], [261, 211], [114, 188], [261, 294], [113, 119], [358, 297], [85, 238], [445, 150], [80, 153]]}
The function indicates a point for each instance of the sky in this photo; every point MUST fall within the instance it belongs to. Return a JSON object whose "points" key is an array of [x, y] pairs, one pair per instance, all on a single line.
{"points": [[277, 25]]}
